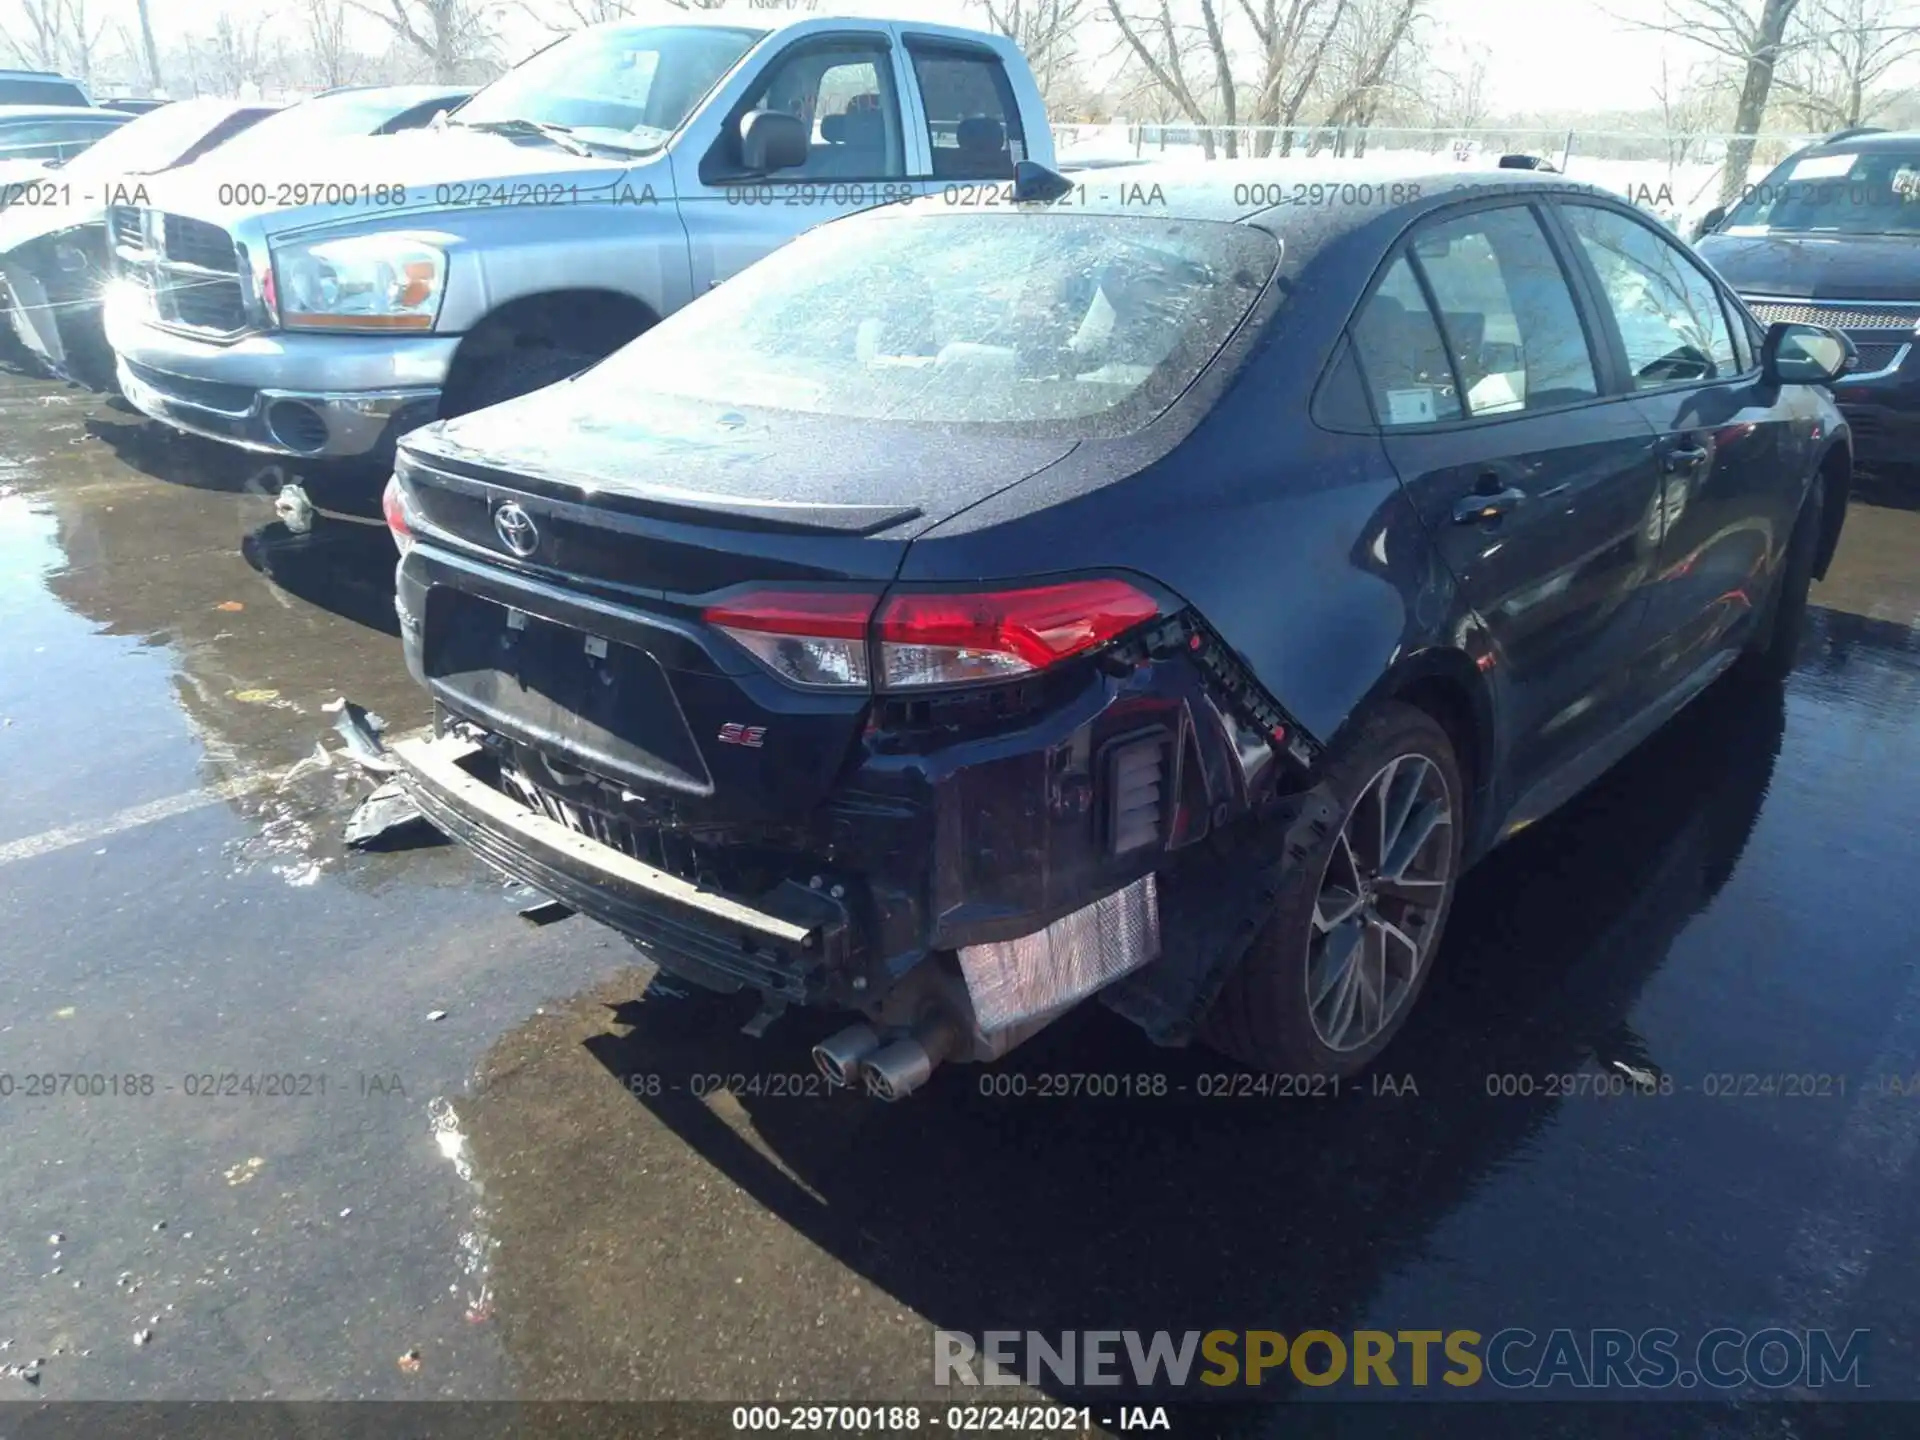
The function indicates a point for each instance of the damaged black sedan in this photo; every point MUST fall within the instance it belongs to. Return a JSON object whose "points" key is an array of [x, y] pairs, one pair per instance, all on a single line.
{"points": [[978, 606]]}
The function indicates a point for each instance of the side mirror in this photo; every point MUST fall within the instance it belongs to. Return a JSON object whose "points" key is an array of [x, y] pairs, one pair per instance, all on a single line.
{"points": [[1805, 354], [1708, 222], [772, 140]]}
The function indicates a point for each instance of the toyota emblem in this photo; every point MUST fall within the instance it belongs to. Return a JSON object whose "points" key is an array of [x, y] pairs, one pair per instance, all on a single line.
{"points": [[516, 529]]}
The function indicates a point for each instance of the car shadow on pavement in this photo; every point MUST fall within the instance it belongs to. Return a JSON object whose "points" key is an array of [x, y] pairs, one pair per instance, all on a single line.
{"points": [[1178, 1206], [340, 565], [177, 458], [1891, 487]]}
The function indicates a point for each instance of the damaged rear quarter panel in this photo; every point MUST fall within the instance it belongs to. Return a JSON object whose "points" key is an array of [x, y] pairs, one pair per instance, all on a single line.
{"points": [[1297, 544]]}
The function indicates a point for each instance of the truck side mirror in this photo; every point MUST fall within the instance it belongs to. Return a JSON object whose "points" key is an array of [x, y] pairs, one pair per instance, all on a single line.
{"points": [[1708, 222], [771, 140]]}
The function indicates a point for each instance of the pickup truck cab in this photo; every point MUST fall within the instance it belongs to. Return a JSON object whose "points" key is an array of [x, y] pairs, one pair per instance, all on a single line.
{"points": [[324, 308]]}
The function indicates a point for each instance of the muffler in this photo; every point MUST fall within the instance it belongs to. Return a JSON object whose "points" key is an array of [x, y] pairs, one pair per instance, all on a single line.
{"points": [[840, 1057], [897, 1070]]}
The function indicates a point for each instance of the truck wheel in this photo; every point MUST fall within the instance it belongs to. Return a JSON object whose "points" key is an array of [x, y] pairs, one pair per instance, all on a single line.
{"points": [[1331, 979], [518, 371], [1775, 643]]}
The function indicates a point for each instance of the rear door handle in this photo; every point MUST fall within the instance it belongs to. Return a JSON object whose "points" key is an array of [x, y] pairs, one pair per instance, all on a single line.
{"points": [[1472, 509], [1685, 458]]}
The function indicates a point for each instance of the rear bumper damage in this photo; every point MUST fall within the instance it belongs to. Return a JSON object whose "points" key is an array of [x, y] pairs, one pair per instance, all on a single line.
{"points": [[959, 887]]}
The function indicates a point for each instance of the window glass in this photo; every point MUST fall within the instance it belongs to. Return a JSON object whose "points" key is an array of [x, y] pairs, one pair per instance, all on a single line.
{"points": [[844, 94], [1509, 319], [1030, 323], [1402, 352], [1670, 316], [625, 85], [1864, 192], [973, 123]]}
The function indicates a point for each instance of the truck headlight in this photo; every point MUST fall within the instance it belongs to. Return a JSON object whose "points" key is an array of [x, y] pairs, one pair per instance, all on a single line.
{"points": [[363, 282]]}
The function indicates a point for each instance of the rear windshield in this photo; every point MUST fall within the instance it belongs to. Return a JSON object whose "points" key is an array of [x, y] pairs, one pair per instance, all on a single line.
{"points": [[1078, 325], [41, 92], [1861, 192]]}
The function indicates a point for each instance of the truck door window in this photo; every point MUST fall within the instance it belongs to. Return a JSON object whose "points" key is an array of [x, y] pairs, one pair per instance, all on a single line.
{"points": [[973, 120], [844, 94]]}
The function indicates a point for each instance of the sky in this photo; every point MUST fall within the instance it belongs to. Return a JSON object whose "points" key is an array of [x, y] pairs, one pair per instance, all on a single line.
{"points": [[1566, 54]]}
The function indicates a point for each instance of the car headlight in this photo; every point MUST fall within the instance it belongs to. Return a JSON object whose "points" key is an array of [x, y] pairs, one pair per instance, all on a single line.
{"points": [[364, 282]]}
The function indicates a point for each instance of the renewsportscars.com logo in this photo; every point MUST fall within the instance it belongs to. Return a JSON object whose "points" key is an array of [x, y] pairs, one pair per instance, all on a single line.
{"points": [[1511, 1359]]}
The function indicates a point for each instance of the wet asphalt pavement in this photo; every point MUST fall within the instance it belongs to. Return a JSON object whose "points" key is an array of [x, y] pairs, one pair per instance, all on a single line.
{"points": [[541, 1196]]}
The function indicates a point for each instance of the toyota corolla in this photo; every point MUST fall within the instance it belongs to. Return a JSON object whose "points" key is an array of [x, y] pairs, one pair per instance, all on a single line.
{"points": [[1161, 594]]}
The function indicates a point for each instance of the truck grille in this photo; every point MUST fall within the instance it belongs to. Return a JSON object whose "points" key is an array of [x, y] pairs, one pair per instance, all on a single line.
{"points": [[1840, 315], [190, 268], [126, 227], [1877, 357]]}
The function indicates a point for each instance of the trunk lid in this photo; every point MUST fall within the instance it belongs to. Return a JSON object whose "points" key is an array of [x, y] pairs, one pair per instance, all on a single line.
{"points": [[574, 625]]}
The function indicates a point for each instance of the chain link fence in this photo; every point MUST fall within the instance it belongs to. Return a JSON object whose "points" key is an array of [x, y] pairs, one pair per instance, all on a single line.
{"points": [[1673, 175]]}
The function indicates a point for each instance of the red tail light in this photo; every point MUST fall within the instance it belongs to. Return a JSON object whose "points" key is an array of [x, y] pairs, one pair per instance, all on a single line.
{"points": [[394, 505], [920, 640]]}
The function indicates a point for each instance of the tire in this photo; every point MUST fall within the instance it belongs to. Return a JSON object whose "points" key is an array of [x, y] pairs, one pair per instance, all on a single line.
{"points": [[1775, 643], [517, 372], [1263, 1016]]}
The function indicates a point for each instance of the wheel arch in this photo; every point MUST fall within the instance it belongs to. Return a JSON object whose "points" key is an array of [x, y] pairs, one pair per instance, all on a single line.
{"points": [[1449, 685], [1836, 473], [593, 320]]}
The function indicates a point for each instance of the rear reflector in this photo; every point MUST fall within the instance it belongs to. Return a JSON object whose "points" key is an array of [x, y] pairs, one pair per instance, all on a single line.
{"points": [[394, 505], [922, 640]]}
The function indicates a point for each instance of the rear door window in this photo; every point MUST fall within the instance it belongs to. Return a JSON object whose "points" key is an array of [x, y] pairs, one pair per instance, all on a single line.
{"points": [[1401, 350], [1507, 312], [973, 120]]}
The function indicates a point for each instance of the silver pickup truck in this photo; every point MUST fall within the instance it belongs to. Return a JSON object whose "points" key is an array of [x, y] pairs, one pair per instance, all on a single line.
{"points": [[324, 306]]}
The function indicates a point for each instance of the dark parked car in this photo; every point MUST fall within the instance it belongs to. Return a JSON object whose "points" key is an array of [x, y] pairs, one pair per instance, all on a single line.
{"points": [[54, 258], [973, 607], [41, 87], [32, 135], [1832, 237]]}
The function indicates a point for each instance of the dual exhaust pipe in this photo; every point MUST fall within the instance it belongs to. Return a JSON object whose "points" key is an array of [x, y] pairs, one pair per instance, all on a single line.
{"points": [[890, 1071]]}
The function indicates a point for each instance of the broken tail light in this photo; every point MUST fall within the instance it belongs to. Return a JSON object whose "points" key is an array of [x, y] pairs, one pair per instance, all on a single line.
{"points": [[920, 640]]}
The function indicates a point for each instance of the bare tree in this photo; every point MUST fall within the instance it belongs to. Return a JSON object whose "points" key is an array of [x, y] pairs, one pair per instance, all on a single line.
{"points": [[1164, 46], [333, 59], [1368, 63], [1687, 107], [1835, 77], [450, 35], [1293, 38], [571, 15], [1047, 33], [237, 53], [40, 37], [1752, 34]]}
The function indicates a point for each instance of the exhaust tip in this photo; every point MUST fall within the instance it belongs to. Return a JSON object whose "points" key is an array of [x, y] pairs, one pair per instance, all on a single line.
{"points": [[895, 1072], [841, 1057]]}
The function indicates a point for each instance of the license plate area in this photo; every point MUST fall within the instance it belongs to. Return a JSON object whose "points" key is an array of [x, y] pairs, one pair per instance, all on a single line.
{"points": [[605, 706]]}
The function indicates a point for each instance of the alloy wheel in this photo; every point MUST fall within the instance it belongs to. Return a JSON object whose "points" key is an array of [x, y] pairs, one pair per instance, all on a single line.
{"points": [[1374, 917]]}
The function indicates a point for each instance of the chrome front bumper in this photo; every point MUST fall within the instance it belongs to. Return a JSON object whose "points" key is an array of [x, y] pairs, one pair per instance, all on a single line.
{"points": [[305, 396], [308, 424]]}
